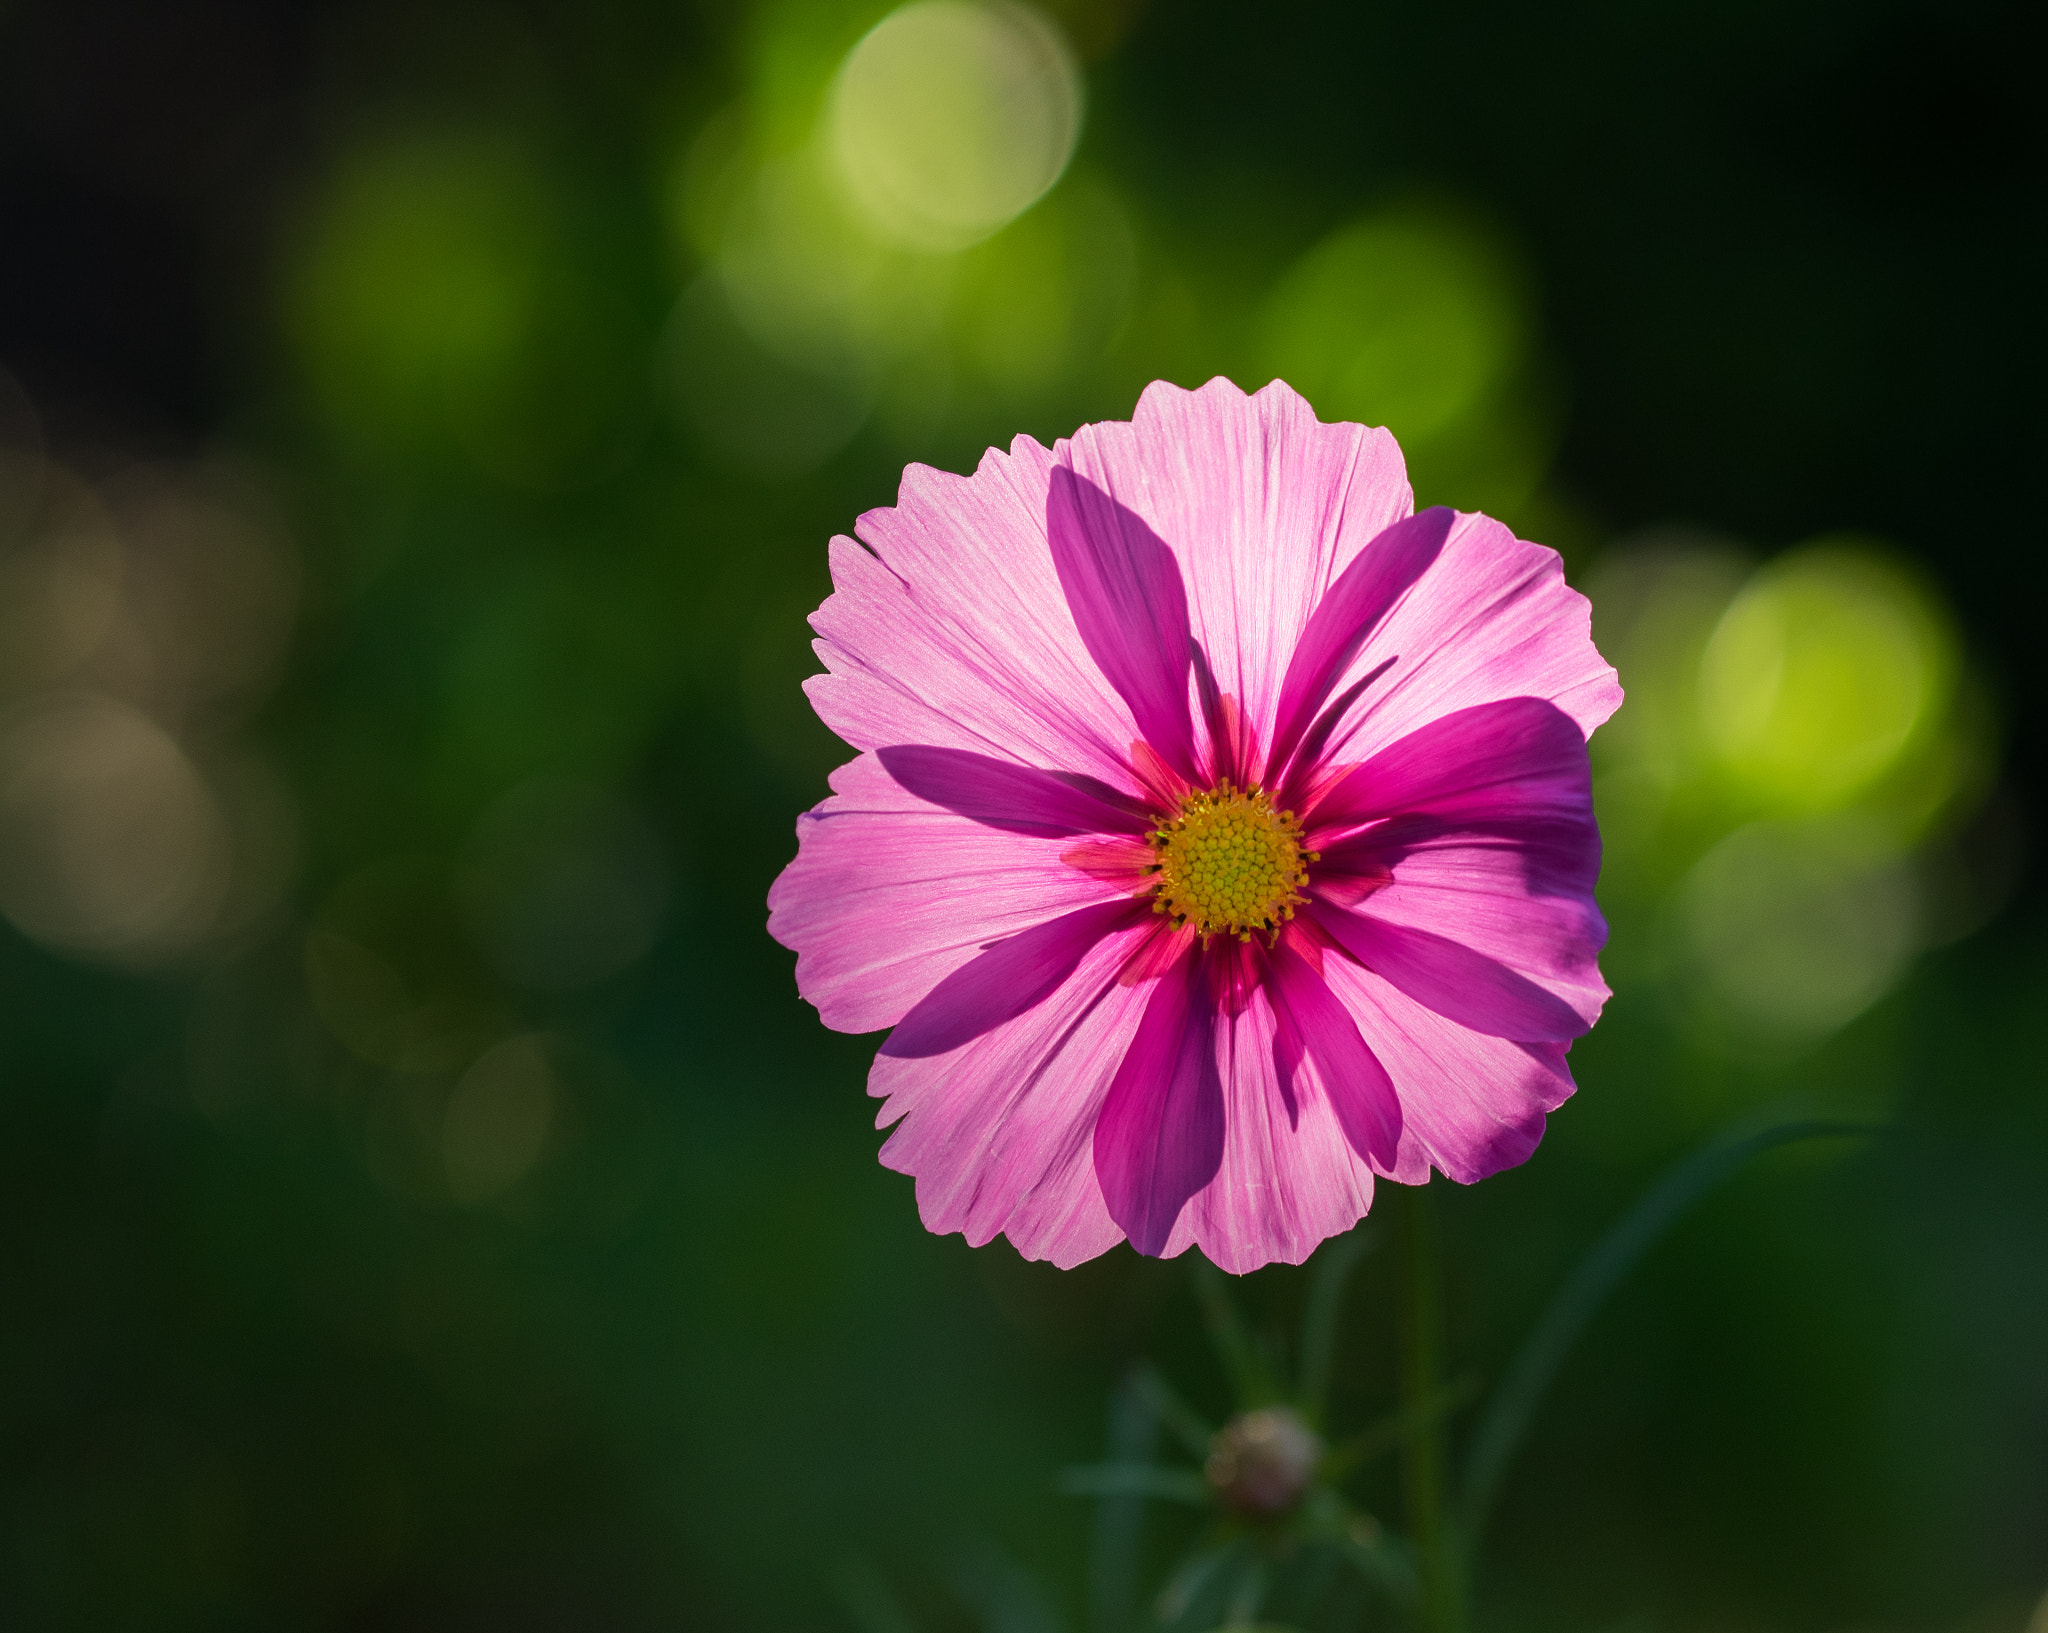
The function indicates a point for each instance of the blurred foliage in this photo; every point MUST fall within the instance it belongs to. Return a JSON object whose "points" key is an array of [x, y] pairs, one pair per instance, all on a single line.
{"points": [[430, 1205]]}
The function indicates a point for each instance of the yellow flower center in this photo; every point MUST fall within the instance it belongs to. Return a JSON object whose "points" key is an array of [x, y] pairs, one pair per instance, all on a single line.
{"points": [[1229, 863]]}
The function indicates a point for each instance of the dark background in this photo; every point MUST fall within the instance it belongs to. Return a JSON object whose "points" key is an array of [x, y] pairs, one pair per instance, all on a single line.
{"points": [[259, 1368]]}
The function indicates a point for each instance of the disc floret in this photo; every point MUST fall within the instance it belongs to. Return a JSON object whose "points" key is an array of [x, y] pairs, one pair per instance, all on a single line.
{"points": [[1228, 863]]}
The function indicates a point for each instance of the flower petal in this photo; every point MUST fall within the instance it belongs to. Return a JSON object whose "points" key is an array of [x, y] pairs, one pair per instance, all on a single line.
{"points": [[1159, 1137], [1471, 1104], [948, 626], [1264, 506], [1492, 618], [1013, 976], [1482, 901], [1018, 799], [999, 1134], [1320, 1027], [1517, 756], [1345, 618], [1124, 589], [1458, 983], [888, 895], [1516, 891], [1289, 1178]]}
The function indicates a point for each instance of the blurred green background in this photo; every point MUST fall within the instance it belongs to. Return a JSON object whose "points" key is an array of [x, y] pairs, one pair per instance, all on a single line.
{"points": [[427, 1204]]}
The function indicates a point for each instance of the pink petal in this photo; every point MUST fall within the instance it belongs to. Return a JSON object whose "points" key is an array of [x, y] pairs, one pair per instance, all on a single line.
{"points": [[1159, 1136], [1454, 980], [1516, 893], [1518, 756], [1471, 1104], [1493, 618], [1016, 798], [1318, 1026], [999, 1134], [1482, 906], [1009, 978], [1289, 1177], [1125, 592], [950, 628], [1264, 506], [1346, 617], [888, 895]]}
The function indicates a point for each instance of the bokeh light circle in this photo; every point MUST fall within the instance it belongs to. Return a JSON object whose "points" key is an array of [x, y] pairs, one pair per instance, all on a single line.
{"points": [[1821, 674], [1399, 319], [951, 117], [1796, 927], [111, 843], [496, 1125]]}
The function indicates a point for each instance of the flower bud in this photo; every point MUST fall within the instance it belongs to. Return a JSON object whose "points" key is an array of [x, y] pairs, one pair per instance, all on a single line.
{"points": [[1261, 1462]]}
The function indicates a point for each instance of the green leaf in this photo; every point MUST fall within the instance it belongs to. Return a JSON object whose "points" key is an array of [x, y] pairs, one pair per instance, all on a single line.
{"points": [[1135, 1480], [1250, 1376], [1507, 1417], [1116, 1540], [1191, 1576], [1333, 1267], [1376, 1439], [1166, 1405]]}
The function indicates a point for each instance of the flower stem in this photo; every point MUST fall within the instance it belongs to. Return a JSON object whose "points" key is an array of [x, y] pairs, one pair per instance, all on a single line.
{"points": [[1429, 1510]]}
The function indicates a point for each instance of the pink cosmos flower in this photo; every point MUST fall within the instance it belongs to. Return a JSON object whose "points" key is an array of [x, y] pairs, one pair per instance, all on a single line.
{"points": [[1221, 835]]}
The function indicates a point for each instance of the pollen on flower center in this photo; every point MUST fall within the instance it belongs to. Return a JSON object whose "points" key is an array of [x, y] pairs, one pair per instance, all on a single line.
{"points": [[1229, 863]]}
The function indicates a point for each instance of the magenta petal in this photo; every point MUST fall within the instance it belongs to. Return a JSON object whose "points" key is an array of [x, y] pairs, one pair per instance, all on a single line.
{"points": [[1314, 1022], [1518, 753], [1350, 610], [1492, 618], [1289, 1178], [947, 624], [1510, 892], [1000, 1134], [889, 895], [1482, 906], [1264, 506], [1471, 1104], [1458, 983], [1018, 799], [1008, 979], [1159, 1138], [1130, 606], [1308, 757]]}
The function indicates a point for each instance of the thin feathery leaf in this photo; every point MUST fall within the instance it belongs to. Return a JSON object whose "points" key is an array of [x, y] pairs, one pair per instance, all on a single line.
{"points": [[1383, 1562], [1193, 1575], [1165, 1403], [1003, 1594], [1135, 1480], [1250, 1376], [1332, 1272], [1247, 1597], [1377, 1439], [1117, 1538], [1507, 1416]]}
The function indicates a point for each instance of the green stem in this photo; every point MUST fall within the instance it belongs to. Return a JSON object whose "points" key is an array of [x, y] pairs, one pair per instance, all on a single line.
{"points": [[1429, 1519]]}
